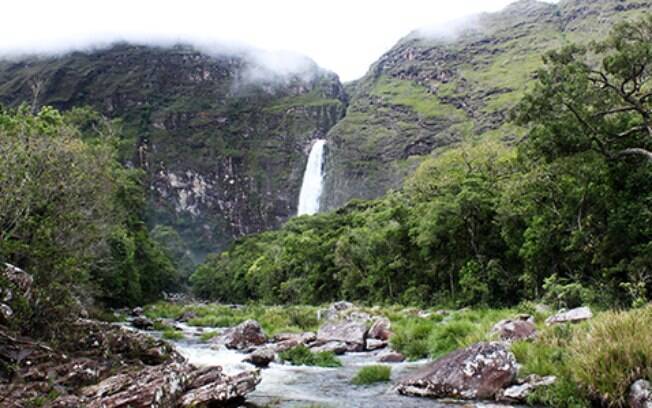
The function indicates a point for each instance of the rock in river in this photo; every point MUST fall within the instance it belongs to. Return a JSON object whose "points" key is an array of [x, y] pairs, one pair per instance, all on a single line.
{"points": [[352, 333], [476, 372], [244, 336]]}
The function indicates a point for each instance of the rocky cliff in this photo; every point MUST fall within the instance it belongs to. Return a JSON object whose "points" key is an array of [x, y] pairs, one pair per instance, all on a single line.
{"points": [[223, 137], [440, 85]]}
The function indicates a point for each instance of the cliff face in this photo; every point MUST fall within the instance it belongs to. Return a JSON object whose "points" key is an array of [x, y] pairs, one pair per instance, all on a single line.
{"points": [[223, 140], [441, 85]]}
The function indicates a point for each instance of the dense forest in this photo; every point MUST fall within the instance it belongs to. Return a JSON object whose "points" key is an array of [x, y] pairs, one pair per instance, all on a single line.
{"points": [[565, 213]]}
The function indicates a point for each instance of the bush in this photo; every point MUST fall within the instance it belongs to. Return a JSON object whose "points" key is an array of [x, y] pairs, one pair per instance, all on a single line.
{"points": [[301, 355], [208, 335], [448, 337], [372, 374], [171, 334], [612, 354]]}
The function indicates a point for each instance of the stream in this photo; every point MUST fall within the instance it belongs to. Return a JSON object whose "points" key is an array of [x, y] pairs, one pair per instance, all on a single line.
{"points": [[287, 386]]}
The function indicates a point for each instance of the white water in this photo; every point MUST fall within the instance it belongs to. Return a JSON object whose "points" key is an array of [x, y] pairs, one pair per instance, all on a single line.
{"points": [[312, 180]]}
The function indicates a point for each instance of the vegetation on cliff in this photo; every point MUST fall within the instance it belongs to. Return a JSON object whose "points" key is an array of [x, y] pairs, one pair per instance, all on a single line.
{"points": [[482, 223]]}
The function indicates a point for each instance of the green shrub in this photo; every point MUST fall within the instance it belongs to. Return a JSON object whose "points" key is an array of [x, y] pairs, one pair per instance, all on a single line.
{"points": [[301, 355], [372, 374], [613, 353], [448, 337], [207, 335], [171, 334], [411, 338]]}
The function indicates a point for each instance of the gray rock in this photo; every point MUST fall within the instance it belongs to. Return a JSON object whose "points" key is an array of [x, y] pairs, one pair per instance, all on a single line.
{"points": [[337, 347], [523, 388], [374, 344], [380, 329], [570, 316], [261, 357], [350, 332], [391, 357], [520, 328], [476, 372], [640, 395], [244, 336]]}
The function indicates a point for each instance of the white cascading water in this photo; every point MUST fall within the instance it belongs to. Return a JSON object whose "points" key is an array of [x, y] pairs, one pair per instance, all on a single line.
{"points": [[312, 180]]}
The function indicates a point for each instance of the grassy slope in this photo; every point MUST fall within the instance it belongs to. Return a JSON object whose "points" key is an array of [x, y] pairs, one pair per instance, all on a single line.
{"points": [[428, 93]]}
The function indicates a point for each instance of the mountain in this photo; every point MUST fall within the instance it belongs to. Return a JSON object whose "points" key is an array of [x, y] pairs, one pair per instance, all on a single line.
{"points": [[223, 137], [441, 85]]}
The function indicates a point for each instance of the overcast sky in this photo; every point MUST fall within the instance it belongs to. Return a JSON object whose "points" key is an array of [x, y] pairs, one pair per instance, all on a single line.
{"points": [[345, 36]]}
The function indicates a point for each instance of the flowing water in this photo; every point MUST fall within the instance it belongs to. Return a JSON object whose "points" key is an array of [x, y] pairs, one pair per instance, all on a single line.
{"points": [[287, 386], [312, 180]]}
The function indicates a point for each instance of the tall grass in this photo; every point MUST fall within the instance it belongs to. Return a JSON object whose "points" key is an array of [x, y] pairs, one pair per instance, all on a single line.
{"points": [[372, 374]]}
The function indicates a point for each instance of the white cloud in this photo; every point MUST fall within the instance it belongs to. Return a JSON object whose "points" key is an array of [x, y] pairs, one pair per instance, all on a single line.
{"points": [[345, 36]]}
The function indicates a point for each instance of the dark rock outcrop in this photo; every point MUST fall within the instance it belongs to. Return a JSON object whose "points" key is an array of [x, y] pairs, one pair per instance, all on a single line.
{"points": [[391, 357], [262, 357], [476, 372]]}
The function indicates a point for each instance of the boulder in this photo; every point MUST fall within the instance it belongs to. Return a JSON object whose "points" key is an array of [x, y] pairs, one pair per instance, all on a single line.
{"points": [[374, 344], [352, 333], [336, 347], [380, 329], [476, 372], [286, 341], [391, 357], [156, 386], [570, 316], [220, 390], [640, 395], [262, 357], [520, 328], [244, 336], [142, 323], [523, 388]]}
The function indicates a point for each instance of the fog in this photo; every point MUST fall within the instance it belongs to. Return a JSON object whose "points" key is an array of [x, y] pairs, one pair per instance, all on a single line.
{"points": [[343, 36]]}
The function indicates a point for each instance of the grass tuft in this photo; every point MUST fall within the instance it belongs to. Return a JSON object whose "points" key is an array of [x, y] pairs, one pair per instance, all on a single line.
{"points": [[301, 355], [372, 374]]}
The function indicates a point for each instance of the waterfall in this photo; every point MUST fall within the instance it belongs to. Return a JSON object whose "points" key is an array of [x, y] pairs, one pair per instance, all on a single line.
{"points": [[312, 180]]}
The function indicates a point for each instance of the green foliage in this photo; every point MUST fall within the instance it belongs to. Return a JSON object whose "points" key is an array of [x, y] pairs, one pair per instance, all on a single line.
{"points": [[301, 355], [71, 215], [563, 216], [372, 374], [172, 334], [272, 319], [595, 361]]}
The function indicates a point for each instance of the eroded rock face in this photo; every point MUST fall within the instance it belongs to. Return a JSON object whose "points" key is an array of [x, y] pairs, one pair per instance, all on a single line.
{"points": [[520, 328], [570, 316], [351, 333], [156, 386], [244, 336], [476, 372], [640, 395], [142, 323], [337, 347], [209, 387]]}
